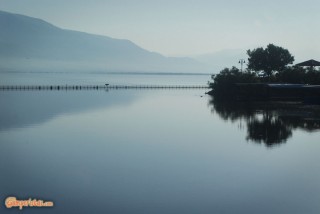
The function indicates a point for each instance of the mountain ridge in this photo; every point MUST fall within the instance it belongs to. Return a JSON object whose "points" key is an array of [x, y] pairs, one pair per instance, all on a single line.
{"points": [[28, 43]]}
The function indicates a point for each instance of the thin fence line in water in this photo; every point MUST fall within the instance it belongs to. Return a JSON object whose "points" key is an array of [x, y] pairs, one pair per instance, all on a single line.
{"points": [[95, 87]]}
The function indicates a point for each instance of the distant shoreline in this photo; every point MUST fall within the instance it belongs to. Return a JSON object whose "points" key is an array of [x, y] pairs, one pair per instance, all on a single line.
{"points": [[111, 72]]}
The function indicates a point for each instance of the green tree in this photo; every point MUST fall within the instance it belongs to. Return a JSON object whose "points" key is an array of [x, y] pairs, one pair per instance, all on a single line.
{"points": [[273, 58]]}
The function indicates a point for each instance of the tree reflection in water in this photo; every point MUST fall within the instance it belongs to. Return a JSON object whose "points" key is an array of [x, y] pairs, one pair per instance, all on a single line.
{"points": [[271, 123]]}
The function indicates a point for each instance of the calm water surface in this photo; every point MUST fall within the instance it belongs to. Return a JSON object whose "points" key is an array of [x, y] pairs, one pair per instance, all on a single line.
{"points": [[156, 151]]}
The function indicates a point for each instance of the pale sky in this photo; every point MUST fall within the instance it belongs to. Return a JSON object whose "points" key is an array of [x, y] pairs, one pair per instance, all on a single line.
{"points": [[187, 27]]}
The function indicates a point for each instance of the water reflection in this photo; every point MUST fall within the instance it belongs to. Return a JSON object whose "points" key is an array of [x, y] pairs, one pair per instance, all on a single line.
{"points": [[25, 108], [271, 123]]}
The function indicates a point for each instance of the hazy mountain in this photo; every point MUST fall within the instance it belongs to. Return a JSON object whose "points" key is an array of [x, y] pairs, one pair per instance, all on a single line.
{"points": [[28, 43], [222, 59]]}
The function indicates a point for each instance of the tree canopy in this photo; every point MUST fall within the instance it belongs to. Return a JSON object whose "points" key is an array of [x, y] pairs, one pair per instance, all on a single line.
{"points": [[273, 58]]}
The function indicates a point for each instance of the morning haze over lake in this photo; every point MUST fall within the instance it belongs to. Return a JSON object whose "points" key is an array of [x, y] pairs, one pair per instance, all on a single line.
{"points": [[159, 107]]}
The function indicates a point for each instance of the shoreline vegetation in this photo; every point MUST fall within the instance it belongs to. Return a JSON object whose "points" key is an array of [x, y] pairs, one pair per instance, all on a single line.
{"points": [[268, 77]]}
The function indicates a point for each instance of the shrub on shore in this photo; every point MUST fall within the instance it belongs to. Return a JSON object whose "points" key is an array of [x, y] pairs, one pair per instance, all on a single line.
{"points": [[223, 84], [298, 75], [273, 62]]}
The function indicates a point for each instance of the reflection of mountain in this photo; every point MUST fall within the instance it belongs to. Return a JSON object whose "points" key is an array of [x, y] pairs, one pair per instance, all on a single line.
{"points": [[267, 122], [29, 108]]}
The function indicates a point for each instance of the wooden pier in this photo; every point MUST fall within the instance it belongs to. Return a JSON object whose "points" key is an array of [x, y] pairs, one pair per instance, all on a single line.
{"points": [[94, 87]]}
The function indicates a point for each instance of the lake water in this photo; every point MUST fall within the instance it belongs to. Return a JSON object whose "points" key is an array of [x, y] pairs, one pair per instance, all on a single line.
{"points": [[154, 151]]}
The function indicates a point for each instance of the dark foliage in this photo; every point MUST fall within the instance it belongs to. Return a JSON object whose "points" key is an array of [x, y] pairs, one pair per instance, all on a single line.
{"points": [[295, 75], [223, 84], [298, 75], [271, 59]]}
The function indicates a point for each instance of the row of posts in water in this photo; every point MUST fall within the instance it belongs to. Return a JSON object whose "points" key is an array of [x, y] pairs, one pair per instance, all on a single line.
{"points": [[96, 87]]}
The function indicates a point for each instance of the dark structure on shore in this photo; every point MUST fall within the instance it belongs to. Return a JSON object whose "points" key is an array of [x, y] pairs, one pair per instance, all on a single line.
{"points": [[309, 63], [278, 92]]}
